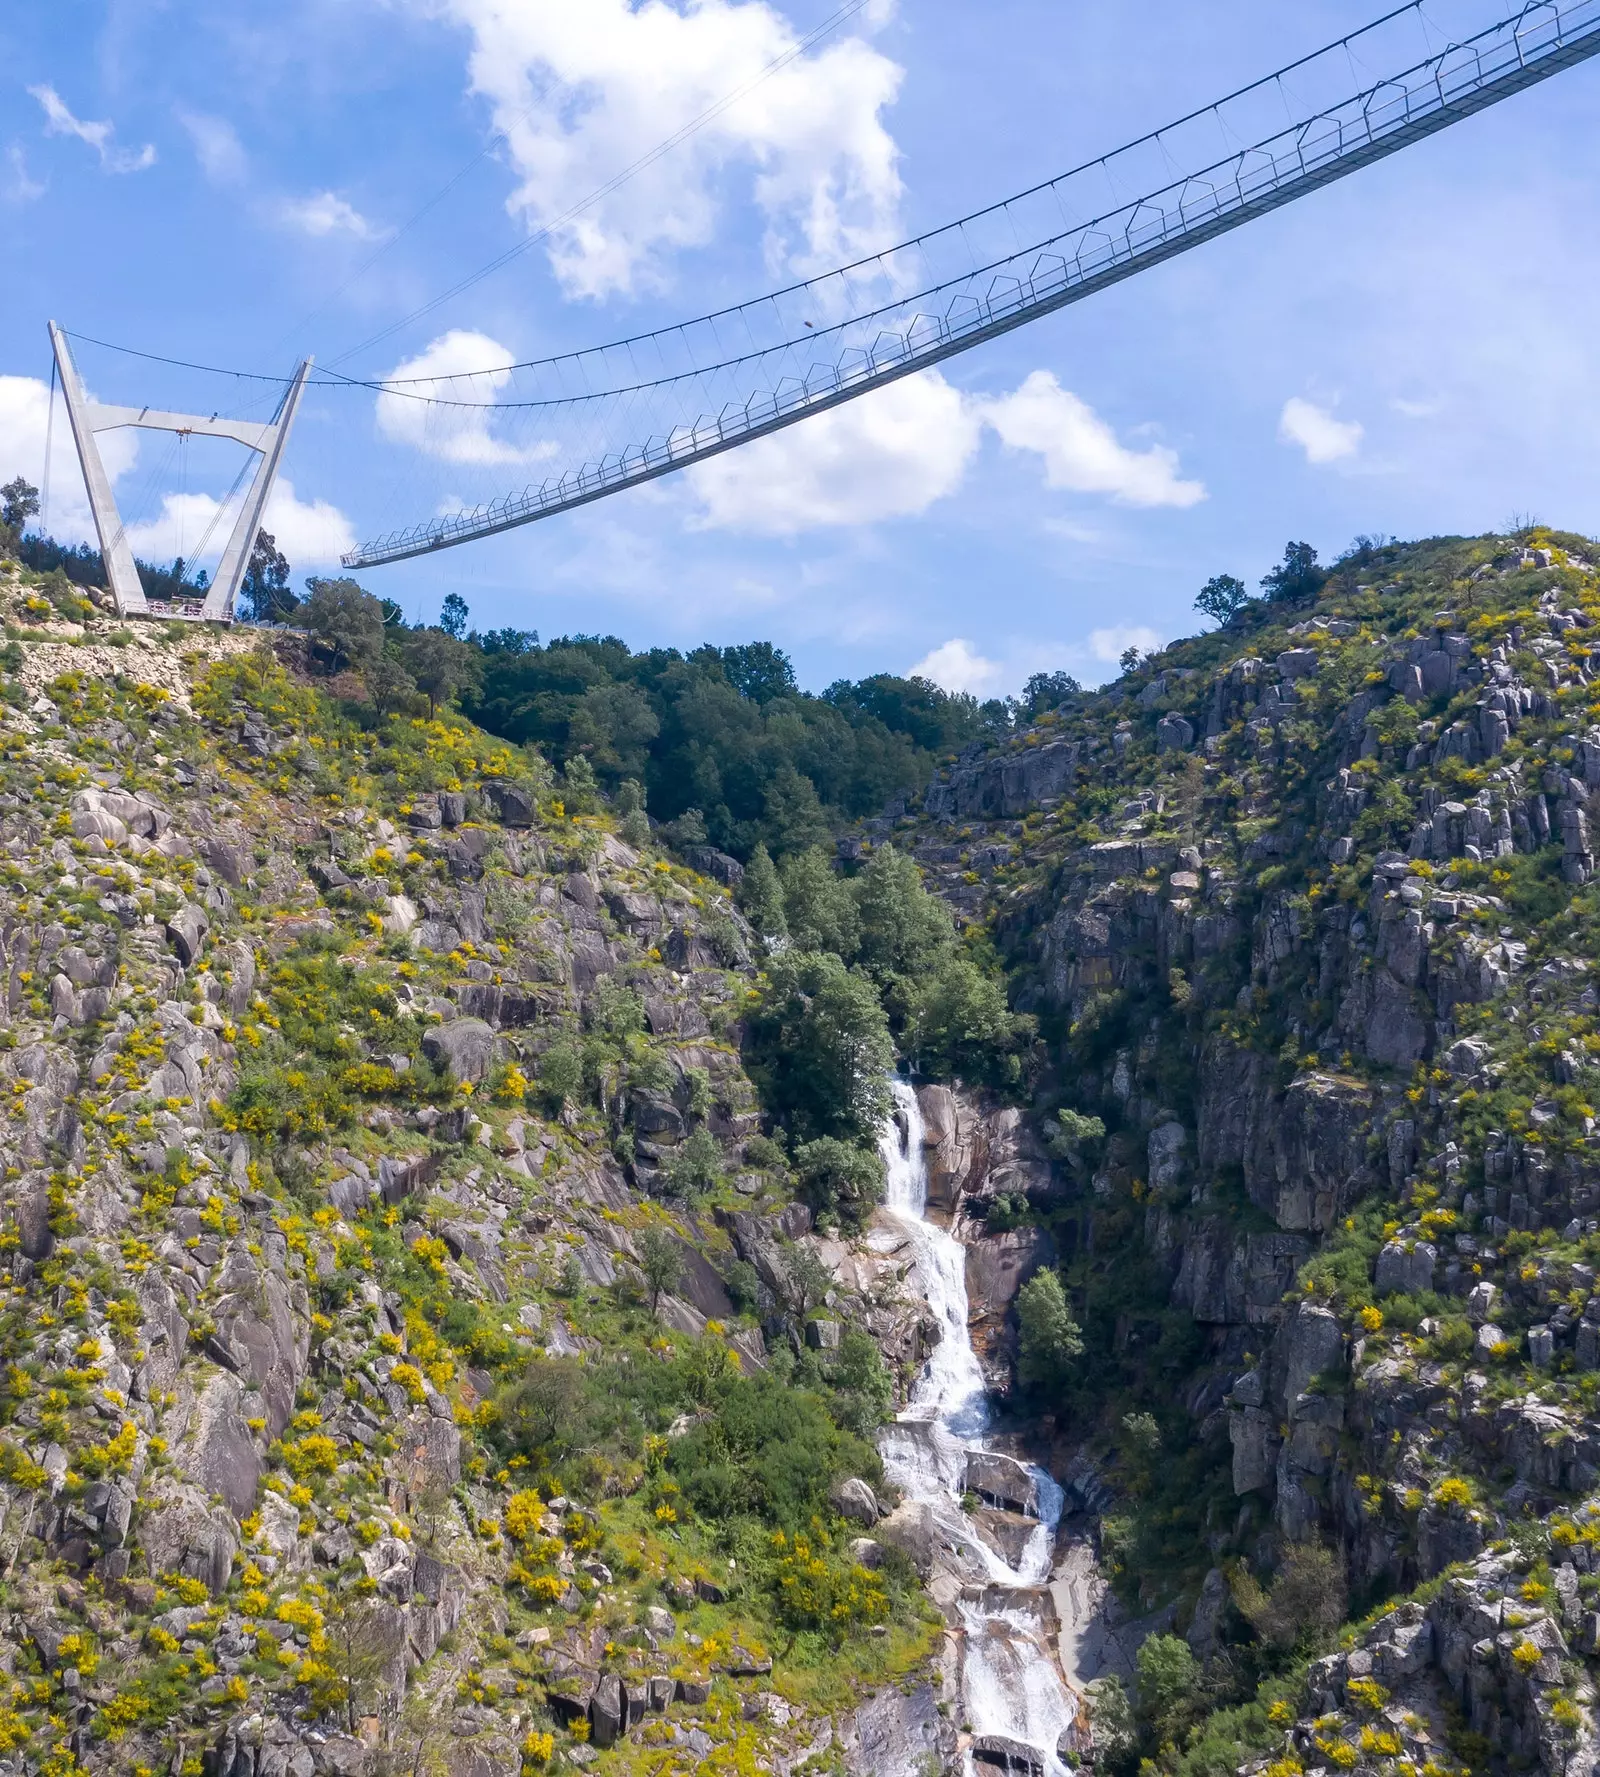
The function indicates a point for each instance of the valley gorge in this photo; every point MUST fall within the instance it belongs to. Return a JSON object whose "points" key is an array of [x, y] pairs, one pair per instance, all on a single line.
{"points": [[438, 1333]]}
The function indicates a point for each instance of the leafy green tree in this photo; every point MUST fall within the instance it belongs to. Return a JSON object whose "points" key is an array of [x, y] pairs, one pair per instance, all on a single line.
{"points": [[264, 595], [1049, 1340], [960, 1024], [453, 615], [346, 619], [841, 1178], [760, 895], [579, 790], [561, 1071], [388, 684], [1305, 1603], [661, 1261], [794, 818], [1221, 598], [19, 501], [903, 927], [1297, 576], [1169, 1680], [759, 671], [819, 908], [441, 665], [613, 726], [820, 1048], [695, 1165], [1047, 691], [863, 1387]]}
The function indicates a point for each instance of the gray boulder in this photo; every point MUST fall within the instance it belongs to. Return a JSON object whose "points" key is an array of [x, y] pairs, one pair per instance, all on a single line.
{"points": [[852, 1498], [464, 1046], [186, 932]]}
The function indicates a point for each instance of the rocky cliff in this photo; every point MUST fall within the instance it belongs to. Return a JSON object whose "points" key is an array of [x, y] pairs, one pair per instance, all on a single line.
{"points": [[398, 1309], [1305, 910]]}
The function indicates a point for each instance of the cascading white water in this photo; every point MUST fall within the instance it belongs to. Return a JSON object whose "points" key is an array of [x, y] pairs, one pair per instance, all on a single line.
{"points": [[1011, 1683]]}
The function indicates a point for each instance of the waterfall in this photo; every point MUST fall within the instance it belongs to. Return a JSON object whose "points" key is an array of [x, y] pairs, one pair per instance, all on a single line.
{"points": [[1011, 1681]]}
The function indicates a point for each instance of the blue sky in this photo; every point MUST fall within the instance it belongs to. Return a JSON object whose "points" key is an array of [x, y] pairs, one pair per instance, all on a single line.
{"points": [[1410, 351]]}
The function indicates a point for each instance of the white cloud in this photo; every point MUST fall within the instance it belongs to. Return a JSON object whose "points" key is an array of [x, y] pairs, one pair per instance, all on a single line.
{"points": [[1414, 410], [1323, 438], [216, 147], [582, 92], [1081, 452], [957, 666], [324, 213], [893, 453], [458, 366], [59, 121], [310, 533], [890, 454], [20, 188], [24, 422], [1110, 644]]}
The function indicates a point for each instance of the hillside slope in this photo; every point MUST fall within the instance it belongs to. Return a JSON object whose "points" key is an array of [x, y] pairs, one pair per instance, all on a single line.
{"points": [[1307, 910], [389, 1247]]}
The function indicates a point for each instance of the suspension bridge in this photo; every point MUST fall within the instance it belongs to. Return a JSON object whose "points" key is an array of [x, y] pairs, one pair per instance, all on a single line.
{"points": [[618, 415]]}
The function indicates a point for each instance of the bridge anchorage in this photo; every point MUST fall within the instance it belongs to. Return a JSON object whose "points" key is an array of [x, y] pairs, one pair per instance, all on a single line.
{"points": [[267, 439]]}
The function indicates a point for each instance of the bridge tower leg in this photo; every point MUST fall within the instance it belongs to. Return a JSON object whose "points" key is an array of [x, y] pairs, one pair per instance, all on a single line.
{"points": [[268, 440]]}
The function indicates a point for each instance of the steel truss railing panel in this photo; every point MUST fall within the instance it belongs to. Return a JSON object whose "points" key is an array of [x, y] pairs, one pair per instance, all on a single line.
{"points": [[1541, 40]]}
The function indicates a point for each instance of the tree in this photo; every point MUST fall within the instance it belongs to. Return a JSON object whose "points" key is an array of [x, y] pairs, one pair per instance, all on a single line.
{"points": [[841, 1178], [453, 616], [1168, 1680], [960, 1023], [544, 1413], [388, 684], [807, 1278], [694, 1167], [264, 594], [794, 817], [760, 894], [1221, 598], [440, 664], [358, 1651], [902, 926], [19, 501], [1129, 659], [759, 671], [613, 726], [818, 905], [561, 1071], [1306, 1600], [1297, 576], [661, 1261], [347, 619], [1046, 691], [820, 1048], [1048, 1339]]}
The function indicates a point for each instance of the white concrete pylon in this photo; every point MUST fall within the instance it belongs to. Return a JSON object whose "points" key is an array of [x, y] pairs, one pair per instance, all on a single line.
{"points": [[268, 439]]}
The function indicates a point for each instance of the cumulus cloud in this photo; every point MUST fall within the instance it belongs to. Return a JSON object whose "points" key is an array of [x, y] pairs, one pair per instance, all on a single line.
{"points": [[325, 213], [1081, 452], [890, 454], [958, 666], [216, 147], [893, 453], [1323, 438], [1110, 644], [59, 121], [582, 92], [458, 366], [24, 424], [311, 533]]}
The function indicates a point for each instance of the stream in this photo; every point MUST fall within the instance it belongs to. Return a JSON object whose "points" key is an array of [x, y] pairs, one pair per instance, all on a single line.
{"points": [[1012, 1686]]}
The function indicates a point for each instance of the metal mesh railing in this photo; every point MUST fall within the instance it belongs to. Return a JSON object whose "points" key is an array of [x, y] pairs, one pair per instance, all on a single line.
{"points": [[631, 411]]}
